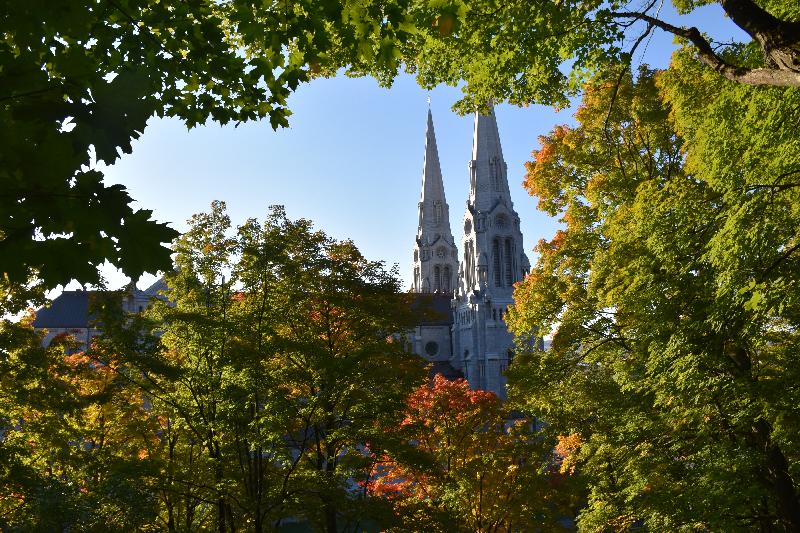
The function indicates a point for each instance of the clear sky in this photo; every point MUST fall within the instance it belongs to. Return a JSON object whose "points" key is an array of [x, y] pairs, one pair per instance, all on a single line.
{"points": [[351, 159]]}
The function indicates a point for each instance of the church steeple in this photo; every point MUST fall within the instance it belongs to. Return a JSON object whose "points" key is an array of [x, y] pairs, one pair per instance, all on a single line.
{"points": [[493, 261], [432, 186], [434, 250], [488, 169], [493, 258]]}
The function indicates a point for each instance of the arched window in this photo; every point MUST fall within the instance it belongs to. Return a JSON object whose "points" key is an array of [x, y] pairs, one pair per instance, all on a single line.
{"points": [[508, 266], [446, 279], [470, 260], [437, 278], [498, 274]]}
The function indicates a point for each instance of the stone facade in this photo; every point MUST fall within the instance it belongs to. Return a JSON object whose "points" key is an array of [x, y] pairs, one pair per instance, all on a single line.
{"points": [[492, 260]]}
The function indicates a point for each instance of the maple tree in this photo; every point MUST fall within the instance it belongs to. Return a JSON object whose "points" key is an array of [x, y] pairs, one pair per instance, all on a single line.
{"points": [[84, 78], [472, 465], [76, 440], [80, 80], [671, 294], [543, 52], [269, 366]]}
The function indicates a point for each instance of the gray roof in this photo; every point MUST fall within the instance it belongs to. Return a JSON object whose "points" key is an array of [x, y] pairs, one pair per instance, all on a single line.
{"points": [[446, 370], [69, 310], [155, 288], [433, 309]]}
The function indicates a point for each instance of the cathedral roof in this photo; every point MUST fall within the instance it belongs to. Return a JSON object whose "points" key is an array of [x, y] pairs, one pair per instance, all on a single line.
{"points": [[446, 370], [433, 309], [69, 310]]}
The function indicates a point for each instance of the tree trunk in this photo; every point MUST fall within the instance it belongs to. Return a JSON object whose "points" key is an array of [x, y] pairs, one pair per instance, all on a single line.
{"points": [[330, 518], [783, 489]]}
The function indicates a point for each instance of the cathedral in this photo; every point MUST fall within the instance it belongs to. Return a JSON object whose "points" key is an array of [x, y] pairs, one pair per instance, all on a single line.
{"points": [[462, 298], [473, 289]]}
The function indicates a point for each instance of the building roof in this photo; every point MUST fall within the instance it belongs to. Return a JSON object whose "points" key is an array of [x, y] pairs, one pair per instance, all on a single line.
{"points": [[69, 310], [446, 370], [433, 309], [153, 290]]}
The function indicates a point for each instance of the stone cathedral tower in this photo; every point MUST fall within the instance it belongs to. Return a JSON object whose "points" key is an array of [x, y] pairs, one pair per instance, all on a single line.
{"points": [[493, 259], [462, 329], [435, 253]]}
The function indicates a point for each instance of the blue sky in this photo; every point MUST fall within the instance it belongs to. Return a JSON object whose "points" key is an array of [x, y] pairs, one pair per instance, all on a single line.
{"points": [[351, 159]]}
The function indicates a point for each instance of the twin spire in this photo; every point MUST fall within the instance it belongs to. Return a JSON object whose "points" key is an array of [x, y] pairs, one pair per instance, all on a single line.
{"points": [[435, 252], [488, 173], [434, 219], [488, 169], [432, 186]]}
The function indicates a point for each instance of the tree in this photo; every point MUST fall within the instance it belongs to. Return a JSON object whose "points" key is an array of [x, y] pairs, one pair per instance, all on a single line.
{"points": [[269, 366], [472, 466], [76, 440], [542, 52], [339, 374], [671, 294], [81, 79]]}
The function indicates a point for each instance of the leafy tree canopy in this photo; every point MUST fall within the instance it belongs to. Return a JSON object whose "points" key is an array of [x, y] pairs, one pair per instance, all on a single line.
{"points": [[473, 466], [541, 52], [80, 80], [269, 369], [672, 291]]}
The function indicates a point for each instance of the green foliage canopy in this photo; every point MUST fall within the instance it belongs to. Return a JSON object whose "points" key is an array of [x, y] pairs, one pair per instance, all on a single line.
{"points": [[269, 369], [672, 292], [81, 79], [541, 52]]}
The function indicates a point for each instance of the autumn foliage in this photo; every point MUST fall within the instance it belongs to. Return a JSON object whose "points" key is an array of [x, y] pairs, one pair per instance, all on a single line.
{"points": [[473, 465]]}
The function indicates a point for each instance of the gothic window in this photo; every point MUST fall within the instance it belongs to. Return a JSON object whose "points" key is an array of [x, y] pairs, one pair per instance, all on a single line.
{"points": [[416, 278], [472, 260], [508, 267], [441, 252], [494, 313], [446, 279], [438, 209], [437, 278], [496, 263]]}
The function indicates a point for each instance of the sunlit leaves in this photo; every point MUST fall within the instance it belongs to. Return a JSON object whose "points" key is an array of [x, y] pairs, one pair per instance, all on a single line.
{"points": [[670, 294], [472, 466]]}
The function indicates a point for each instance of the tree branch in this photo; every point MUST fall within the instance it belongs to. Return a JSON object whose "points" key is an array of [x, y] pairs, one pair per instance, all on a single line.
{"points": [[760, 24], [706, 54]]}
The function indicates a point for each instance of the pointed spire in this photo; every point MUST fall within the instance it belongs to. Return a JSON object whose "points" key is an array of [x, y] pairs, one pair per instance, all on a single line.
{"points": [[486, 137], [432, 187], [489, 181], [434, 249]]}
